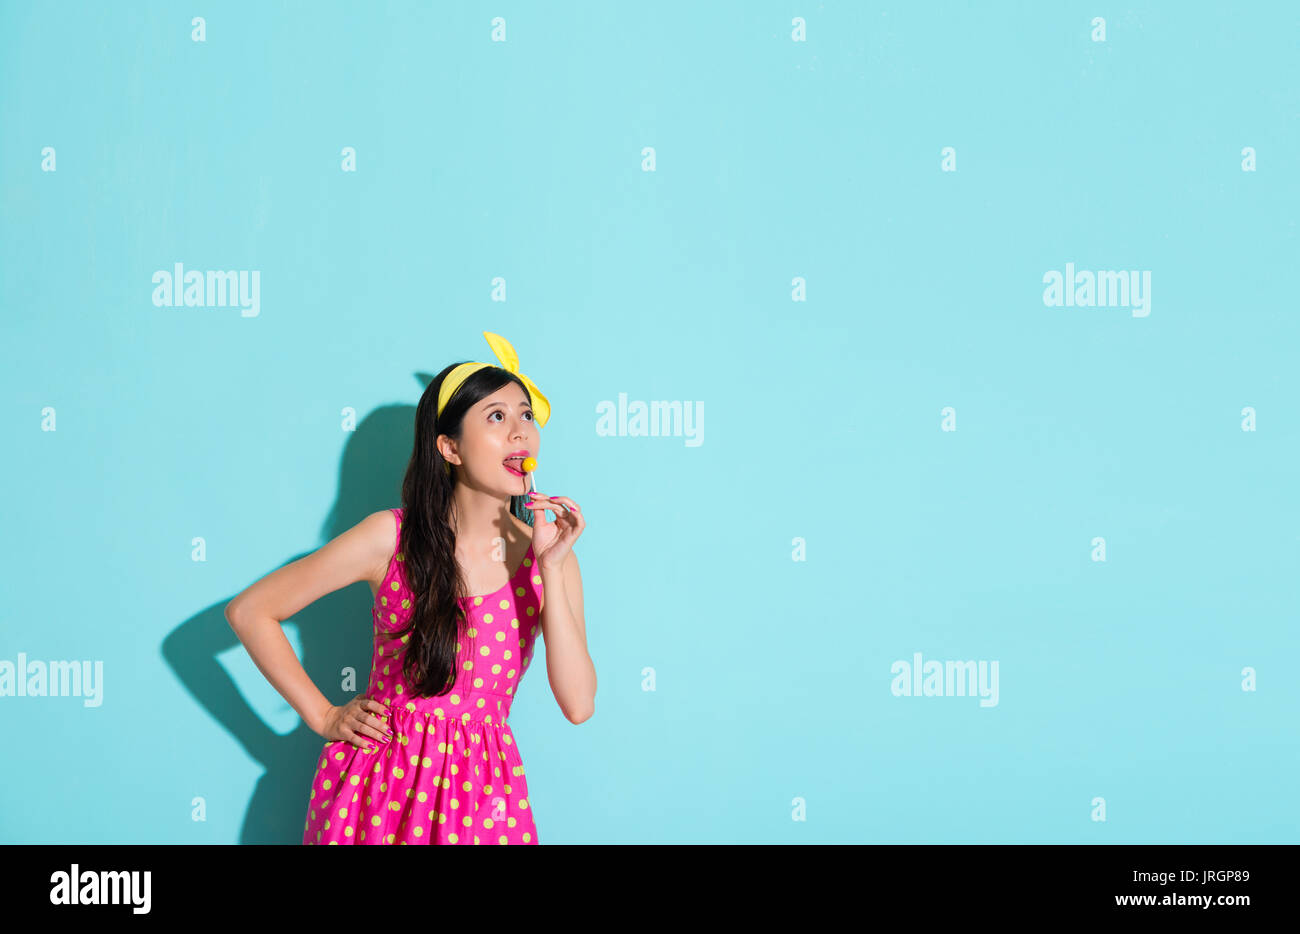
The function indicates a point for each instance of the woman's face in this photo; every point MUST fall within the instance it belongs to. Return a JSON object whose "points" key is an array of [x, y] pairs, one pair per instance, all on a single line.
{"points": [[495, 428]]}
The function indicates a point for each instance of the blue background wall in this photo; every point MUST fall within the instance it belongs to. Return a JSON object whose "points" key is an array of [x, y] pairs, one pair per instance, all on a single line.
{"points": [[904, 448]]}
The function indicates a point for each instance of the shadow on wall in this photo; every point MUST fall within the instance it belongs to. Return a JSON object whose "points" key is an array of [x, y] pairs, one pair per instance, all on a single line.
{"points": [[335, 631]]}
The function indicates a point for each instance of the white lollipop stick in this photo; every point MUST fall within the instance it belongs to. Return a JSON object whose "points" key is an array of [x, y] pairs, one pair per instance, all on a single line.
{"points": [[532, 474]]}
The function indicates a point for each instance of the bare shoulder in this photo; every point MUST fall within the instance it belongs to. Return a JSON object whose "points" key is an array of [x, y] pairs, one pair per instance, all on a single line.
{"points": [[380, 531], [360, 552]]}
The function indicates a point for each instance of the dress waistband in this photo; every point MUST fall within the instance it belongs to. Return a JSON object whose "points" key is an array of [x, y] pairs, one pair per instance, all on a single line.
{"points": [[478, 708]]}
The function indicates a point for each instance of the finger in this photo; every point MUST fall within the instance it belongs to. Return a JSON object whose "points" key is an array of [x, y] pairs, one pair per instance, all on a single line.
{"points": [[364, 726], [357, 739], [377, 707], [553, 503], [567, 503]]}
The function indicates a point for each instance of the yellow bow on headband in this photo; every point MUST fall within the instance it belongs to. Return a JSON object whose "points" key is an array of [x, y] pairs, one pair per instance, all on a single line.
{"points": [[509, 361]]}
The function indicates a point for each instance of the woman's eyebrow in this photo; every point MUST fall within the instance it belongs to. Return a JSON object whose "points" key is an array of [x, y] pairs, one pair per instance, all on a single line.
{"points": [[524, 405]]}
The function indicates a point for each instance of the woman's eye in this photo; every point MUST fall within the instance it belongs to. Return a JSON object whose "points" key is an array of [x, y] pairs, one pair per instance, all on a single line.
{"points": [[529, 413]]}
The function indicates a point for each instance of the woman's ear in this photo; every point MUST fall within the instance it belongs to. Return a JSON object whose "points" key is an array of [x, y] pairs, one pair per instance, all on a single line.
{"points": [[447, 448]]}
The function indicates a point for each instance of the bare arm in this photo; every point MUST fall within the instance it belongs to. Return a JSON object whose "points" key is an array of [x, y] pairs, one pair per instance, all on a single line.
{"points": [[256, 614], [568, 665]]}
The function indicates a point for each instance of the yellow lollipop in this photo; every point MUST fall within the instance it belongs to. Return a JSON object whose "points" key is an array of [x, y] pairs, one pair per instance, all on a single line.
{"points": [[529, 465]]}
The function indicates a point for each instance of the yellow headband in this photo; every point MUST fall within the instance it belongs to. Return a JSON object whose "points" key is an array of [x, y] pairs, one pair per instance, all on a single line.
{"points": [[509, 361]]}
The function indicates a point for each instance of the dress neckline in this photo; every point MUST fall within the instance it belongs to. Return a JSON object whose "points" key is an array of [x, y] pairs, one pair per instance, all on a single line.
{"points": [[522, 564]]}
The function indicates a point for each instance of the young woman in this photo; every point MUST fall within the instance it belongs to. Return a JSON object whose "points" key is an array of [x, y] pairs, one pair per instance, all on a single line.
{"points": [[426, 755]]}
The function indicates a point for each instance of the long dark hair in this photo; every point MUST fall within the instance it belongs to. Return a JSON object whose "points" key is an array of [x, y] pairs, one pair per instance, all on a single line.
{"points": [[428, 542]]}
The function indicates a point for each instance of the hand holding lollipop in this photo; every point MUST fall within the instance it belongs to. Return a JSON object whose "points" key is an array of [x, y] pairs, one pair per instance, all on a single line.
{"points": [[552, 539]]}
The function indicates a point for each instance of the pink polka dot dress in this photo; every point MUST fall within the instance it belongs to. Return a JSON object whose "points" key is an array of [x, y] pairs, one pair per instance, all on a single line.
{"points": [[452, 771]]}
